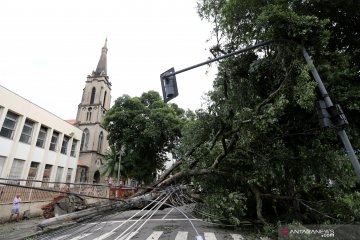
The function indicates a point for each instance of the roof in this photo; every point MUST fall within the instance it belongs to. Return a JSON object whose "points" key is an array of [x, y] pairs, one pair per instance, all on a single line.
{"points": [[71, 121], [101, 69]]}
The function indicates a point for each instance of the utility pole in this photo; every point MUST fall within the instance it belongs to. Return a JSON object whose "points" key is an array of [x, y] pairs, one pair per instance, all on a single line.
{"points": [[118, 175], [333, 114], [122, 148]]}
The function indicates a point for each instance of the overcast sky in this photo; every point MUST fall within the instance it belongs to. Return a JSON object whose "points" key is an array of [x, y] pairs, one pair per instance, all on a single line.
{"points": [[47, 48]]}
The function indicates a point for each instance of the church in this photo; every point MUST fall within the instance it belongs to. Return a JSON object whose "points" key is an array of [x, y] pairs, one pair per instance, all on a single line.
{"points": [[95, 102]]}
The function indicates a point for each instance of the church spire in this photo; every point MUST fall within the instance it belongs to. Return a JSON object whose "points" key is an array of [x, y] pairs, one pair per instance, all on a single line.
{"points": [[101, 69]]}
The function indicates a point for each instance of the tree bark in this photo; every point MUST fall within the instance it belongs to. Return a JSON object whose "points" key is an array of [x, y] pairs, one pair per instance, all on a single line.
{"points": [[258, 199]]}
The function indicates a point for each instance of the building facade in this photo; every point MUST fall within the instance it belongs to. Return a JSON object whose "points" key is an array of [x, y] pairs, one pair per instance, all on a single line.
{"points": [[95, 102], [34, 143]]}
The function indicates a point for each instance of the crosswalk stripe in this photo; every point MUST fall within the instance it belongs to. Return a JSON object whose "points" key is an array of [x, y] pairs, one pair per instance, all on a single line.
{"points": [[181, 235], [209, 236], [237, 237], [81, 236], [155, 235], [104, 236]]}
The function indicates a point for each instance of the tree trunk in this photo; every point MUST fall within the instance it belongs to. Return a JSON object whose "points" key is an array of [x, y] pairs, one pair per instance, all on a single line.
{"points": [[258, 199]]}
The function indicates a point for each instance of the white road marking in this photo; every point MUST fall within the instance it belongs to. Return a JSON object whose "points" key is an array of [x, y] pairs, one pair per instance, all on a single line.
{"points": [[168, 213], [181, 235], [127, 236], [81, 236], [61, 237], [97, 229], [155, 235], [209, 236], [237, 237], [104, 236]]}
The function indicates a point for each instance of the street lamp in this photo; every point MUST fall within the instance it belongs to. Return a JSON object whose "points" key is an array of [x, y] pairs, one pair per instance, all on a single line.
{"points": [[120, 155], [331, 115]]}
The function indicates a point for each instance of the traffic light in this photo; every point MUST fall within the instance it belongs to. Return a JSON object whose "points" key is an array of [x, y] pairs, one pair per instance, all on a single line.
{"points": [[323, 114], [330, 117], [168, 85]]}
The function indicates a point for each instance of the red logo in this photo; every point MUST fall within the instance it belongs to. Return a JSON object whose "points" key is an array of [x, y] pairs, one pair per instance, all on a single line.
{"points": [[284, 232]]}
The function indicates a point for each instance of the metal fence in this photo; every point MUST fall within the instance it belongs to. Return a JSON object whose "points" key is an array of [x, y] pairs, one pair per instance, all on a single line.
{"points": [[35, 191]]}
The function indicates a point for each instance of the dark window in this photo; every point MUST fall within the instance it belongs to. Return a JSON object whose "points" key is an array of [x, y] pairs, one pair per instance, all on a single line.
{"points": [[41, 137], [33, 170], [27, 131], [9, 125], [104, 99], [93, 92], [47, 172], [54, 140], [73, 148], [100, 142], [64, 145]]}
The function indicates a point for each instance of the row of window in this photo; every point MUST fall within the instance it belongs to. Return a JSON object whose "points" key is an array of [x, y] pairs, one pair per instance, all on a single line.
{"points": [[18, 165], [9, 127]]}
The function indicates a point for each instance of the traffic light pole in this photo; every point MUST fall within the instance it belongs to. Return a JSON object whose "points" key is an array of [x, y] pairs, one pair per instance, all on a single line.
{"points": [[222, 57], [341, 132]]}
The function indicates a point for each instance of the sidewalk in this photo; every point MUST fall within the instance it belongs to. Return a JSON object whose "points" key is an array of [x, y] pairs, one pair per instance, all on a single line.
{"points": [[19, 230]]}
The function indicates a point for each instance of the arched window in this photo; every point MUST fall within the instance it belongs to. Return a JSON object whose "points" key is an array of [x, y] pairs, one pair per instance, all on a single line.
{"points": [[88, 114], [100, 142], [93, 92], [104, 99], [85, 140], [96, 177]]}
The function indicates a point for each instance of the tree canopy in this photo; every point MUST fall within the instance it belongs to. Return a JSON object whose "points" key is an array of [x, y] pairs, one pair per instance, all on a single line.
{"points": [[146, 128], [259, 140]]}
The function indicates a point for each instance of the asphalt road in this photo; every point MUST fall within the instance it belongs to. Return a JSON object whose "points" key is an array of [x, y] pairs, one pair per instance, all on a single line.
{"points": [[167, 224]]}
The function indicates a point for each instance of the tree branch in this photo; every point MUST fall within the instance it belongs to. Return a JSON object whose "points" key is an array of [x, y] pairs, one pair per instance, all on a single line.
{"points": [[216, 138], [272, 95], [168, 171], [313, 209], [188, 173], [226, 150]]}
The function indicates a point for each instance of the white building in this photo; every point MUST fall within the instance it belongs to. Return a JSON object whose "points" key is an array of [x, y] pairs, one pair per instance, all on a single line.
{"points": [[34, 143]]}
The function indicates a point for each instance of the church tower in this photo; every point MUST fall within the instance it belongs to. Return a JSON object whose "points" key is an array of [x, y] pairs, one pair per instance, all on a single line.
{"points": [[94, 104]]}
